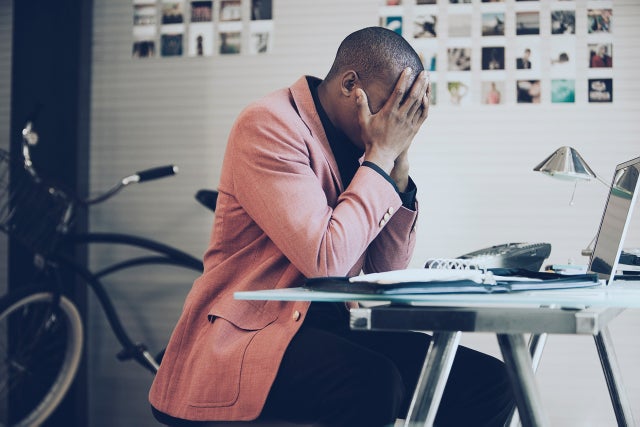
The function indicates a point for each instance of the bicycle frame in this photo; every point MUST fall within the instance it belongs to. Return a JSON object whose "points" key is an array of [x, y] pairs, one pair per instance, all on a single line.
{"points": [[164, 254]]}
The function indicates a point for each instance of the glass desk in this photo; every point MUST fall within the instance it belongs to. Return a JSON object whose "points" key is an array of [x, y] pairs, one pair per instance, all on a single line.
{"points": [[509, 316]]}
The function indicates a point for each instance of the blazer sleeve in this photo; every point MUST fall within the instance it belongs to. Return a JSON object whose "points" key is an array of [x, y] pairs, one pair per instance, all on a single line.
{"points": [[276, 180], [393, 248]]}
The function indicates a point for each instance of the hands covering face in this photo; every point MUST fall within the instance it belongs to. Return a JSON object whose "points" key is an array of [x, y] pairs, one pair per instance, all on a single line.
{"points": [[388, 133]]}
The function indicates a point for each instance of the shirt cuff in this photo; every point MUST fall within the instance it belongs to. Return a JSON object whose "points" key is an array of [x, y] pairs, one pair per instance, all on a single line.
{"points": [[408, 197]]}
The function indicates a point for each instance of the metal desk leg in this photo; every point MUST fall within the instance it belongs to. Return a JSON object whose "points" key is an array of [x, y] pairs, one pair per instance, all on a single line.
{"points": [[613, 376], [435, 371], [536, 346], [519, 367]]}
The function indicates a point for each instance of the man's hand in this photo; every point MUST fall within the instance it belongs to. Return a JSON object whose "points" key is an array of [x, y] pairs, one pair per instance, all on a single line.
{"points": [[389, 133]]}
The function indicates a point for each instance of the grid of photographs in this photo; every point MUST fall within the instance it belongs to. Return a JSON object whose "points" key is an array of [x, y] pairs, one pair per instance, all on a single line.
{"points": [[510, 51], [170, 28]]}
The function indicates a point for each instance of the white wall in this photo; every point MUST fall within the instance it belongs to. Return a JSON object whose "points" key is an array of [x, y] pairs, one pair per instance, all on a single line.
{"points": [[473, 167]]}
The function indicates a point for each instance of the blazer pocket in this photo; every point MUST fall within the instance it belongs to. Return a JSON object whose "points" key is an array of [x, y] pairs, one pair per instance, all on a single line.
{"points": [[217, 363]]}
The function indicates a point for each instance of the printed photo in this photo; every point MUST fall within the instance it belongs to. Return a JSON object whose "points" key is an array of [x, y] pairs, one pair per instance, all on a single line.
{"points": [[599, 20], [600, 90], [425, 26], [528, 91], [144, 49], [492, 92], [527, 23], [172, 13], [458, 92], [460, 25], [493, 24], [261, 10], [600, 55], [493, 58], [427, 50], [426, 1], [563, 57], [230, 10], [144, 14], [459, 58], [393, 23], [171, 45], [259, 42], [200, 39], [433, 93], [523, 62], [563, 91], [460, 1], [229, 42], [201, 11], [563, 22]]}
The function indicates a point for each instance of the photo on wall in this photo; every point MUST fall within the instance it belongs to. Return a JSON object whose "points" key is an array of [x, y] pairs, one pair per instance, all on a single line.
{"points": [[492, 92], [424, 26], [171, 45], [563, 57], [493, 24], [229, 42], [201, 11], [200, 39], [563, 91], [599, 20], [600, 55], [393, 23], [459, 58], [261, 10], [563, 22], [144, 49], [460, 25], [428, 51], [459, 91], [493, 58], [230, 10], [600, 90], [172, 13], [528, 91], [527, 23]]}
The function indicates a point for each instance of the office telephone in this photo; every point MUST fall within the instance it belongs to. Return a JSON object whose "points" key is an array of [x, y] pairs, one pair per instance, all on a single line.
{"points": [[529, 256]]}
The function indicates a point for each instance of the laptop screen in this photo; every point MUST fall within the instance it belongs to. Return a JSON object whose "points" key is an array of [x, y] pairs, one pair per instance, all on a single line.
{"points": [[615, 220]]}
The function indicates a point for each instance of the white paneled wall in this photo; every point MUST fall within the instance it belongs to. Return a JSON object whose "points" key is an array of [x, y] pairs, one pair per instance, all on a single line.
{"points": [[473, 167]]}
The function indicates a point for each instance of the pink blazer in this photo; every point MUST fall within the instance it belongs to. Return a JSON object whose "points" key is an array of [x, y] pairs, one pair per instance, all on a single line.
{"points": [[282, 215]]}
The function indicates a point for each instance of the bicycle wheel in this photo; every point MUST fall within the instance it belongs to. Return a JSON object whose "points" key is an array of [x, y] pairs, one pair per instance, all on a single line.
{"points": [[40, 348]]}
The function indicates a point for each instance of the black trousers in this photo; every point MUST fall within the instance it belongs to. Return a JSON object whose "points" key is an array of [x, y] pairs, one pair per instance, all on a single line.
{"points": [[333, 376]]}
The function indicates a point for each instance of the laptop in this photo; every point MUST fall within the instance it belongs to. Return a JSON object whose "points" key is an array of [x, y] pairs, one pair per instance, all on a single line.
{"points": [[615, 220]]}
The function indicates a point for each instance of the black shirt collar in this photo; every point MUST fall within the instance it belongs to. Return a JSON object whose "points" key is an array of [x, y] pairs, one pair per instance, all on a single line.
{"points": [[346, 153]]}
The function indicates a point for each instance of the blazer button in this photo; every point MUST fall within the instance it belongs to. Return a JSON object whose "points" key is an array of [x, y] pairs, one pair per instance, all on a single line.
{"points": [[296, 316]]}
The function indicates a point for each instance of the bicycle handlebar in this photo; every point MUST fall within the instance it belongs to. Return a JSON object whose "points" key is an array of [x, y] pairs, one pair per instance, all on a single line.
{"points": [[156, 173]]}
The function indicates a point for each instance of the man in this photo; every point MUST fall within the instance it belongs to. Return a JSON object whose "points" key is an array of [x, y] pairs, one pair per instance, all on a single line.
{"points": [[524, 63], [315, 182]]}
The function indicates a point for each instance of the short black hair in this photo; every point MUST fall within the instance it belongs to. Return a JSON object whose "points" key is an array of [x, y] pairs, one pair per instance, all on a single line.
{"points": [[375, 53]]}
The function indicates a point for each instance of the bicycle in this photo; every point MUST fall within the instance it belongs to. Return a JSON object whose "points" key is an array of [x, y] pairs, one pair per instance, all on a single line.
{"points": [[39, 318]]}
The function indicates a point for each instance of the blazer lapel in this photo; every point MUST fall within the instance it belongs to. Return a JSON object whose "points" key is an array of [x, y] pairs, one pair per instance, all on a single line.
{"points": [[307, 110]]}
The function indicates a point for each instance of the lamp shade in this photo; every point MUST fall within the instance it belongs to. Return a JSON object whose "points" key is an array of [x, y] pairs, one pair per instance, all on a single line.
{"points": [[566, 163]]}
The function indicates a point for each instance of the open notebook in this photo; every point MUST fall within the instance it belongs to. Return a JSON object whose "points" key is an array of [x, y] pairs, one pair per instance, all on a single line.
{"points": [[463, 276]]}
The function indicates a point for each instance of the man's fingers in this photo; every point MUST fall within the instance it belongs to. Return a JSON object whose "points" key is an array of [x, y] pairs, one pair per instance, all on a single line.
{"points": [[414, 99], [363, 105], [402, 86]]}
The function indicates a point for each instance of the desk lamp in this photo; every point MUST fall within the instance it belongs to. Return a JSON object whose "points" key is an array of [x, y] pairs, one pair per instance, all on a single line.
{"points": [[567, 164]]}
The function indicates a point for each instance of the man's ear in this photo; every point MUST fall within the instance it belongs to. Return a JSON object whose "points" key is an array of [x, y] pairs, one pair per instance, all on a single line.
{"points": [[348, 83]]}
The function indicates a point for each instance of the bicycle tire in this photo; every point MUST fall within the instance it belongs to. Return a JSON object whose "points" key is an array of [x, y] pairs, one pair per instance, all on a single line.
{"points": [[41, 338]]}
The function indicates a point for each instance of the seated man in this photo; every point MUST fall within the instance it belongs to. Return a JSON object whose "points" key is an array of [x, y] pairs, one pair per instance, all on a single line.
{"points": [[315, 182]]}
